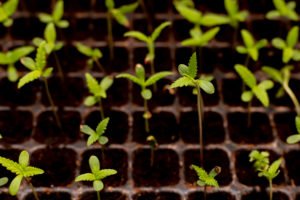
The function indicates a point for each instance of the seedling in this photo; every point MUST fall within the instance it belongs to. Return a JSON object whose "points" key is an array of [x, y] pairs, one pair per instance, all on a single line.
{"points": [[296, 137], [22, 171], [206, 179], [98, 91], [153, 145], [288, 47], [97, 175], [283, 78], [7, 9], [119, 14], [258, 90], [38, 70], [96, 135], [11, 57], [283, 9], [3, 181], [94, 54], [140, 79], [188, 78], [261, 165]]}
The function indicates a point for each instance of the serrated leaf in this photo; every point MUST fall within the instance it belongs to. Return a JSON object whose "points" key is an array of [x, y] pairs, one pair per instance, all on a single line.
{"points": [[248, 39], [92, 139], [29, 77], [156, 77], [247, 96], [98, 185], [11, 166], [24, 158], [129, 8], [32, 171], [182, 82], [261, 95], [274, 168], [146, 94], [138, 35], [131, 77], [87, 130], [94, 164], [105, 173], [92, 84], [58, 10], [15, 185], [159, 29], [192, 70], [207, 86], [102, 126], [273, 73], [246, 75], [211, 182], [292, 37], [85, 177], [293, 139], [202, 174], [41, 56]]}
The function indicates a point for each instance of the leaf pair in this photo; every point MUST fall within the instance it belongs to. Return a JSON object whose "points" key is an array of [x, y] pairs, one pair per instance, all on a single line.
{"points": [[198, 38], [251, 46], [206, 179], [96, 135], [149, 40], [288, 47], [21, 169], [296, 137], [7, 9], [94, 54], [97, 174], [235, 16], [283, 9], [257, 90], [98, 90]]}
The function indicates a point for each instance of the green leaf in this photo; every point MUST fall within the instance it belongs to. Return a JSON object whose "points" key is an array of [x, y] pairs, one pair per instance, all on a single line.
{"points": [[292, 37], [287, 54], [211, 182], [105, 173], [110, 4], [209, 35], [207, 86], [28, 63], [24, 159], [261, 95], [274, 168], [146, 94], [214, 20], [106, 82], [130, 77], [231, 7], [266, 84], [248, 39], [253, 52], [10, 7], [183, 69], [246, 75], [297, 122], [192, 15], [138, 35], [156, 77], [92, 139], [31, 76], [120, 18], [202, 174], [192, 42], [192, 70], [8, 22], [50, 33], [4, 60], [273, 73], [63, 24], [241, 49], [159, 29], [293, 139], [15, 185], [3, 181], [87, 130], [20, 52], [32, 171], [45, 18], [12, 73], [128, 8], [98, 185], [90, 101], [140, 72], [94, 164], [11, 165], [92, 84], [58, 10], [85, 177], [273, 14], [278, 43], [261, 43], [182, 82], [214, 172], [247, 96], [103, 140], [47, 72], [102, 126], [41, 56]]}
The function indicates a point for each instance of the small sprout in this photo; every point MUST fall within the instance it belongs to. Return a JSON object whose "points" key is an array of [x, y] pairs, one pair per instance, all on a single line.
{"points": [[97, 175], [251, 47], [153, 145], [288, 47], [260, 159], [97, 90], [283, 9], [11, 57], [96, 135], [206, 179], [235, 16], [56, 16], [296, 137], [7, 9], [199, 38], [22, 171]]}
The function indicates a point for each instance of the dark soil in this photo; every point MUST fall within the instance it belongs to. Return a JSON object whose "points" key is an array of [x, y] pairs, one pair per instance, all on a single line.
{"points": [[50, 196], [285, 124], [103, 195], [211, 196], [156, 196], [265, 195], [292, 165]]}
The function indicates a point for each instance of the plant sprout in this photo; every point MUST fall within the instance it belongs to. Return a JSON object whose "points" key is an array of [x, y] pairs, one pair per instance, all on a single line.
{"points": [[7, 9], [94, 54], [283, 78], [188, 78], [258, 90], [96, 176], [38, 70], [296, 137], [288, 47], [140, 79], [22, 171], [283, 9], [234, 15], [11, 57], [97, 90], [119, 14], [153, 145], [261, 165], [96, 135]]}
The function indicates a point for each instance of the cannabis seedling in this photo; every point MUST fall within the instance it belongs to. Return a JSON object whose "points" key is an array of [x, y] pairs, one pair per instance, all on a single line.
{"points": [[97, 175], [38, 70], [11, 57], [140, 79], [22, 171], [119, 14], [94, 54], [258, 90], [96, 135], [7, 9], [283, 9], [296, 137], [153, 145], [97, 90], [261, 165], [288, 47]]}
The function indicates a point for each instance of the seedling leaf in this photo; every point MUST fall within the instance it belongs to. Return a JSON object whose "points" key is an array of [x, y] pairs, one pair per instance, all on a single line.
{"points": [[146, 94], [246, 75], [138, 35], [292, 37], [130, 77], [15, 185], [273, 73], [128, 8], [102, 126], [261, 95], [159, 29], [156, 77], [98, 185], [207, 86], [29, 77], [182, 82]]}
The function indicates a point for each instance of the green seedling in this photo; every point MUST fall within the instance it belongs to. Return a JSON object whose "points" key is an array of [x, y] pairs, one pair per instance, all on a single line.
{"points": [[96, 176], [258, 90], [188, 78], [206, 179], [283, 9], [288, 47], [93, 54], [23, 172], [153, 145], [7, 9], [56, 16], [3, 181], [234, 15], [261, 165], [97, 90], [283, 78], [119, 14], [96, 135], [140, 79], [39, 70], [296, 137], [9, 58]]}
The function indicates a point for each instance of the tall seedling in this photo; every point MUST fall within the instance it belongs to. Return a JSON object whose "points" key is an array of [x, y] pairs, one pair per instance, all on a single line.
{"points": [[283, 9], [7, 9], [189, 78]]}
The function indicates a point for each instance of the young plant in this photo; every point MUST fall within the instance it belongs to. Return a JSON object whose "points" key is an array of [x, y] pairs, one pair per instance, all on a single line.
{"points": [[283, 78], [98, 91], [140, 79], [94, 54], [119, 14], [283, 9], [22, 171], [7, 9], [258, 90], [9, 58], [153, 145], [288, 47], [96, 176], [296, 137], [189, 78], [96, 135], [38, 70], [261, 165]]}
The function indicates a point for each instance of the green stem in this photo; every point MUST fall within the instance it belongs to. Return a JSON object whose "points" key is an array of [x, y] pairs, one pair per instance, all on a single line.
{"points": [[199, 109], [110, 36], [101, 109], [146, 111], [98, 64], [271, 189], [293, 97], [249, 114], [32, 189], [59, 68], [98, 195]]}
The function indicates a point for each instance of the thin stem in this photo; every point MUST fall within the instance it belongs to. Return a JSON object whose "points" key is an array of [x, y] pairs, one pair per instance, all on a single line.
{"points": [[101, 109], [59, 68], [32, 189], [98, 195], [146, 111], [98, 64], [271, 189], [293, 97], [246, 65], [249, 114], [147, 14], [110, 36], [199, 108], [152, 73]]}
